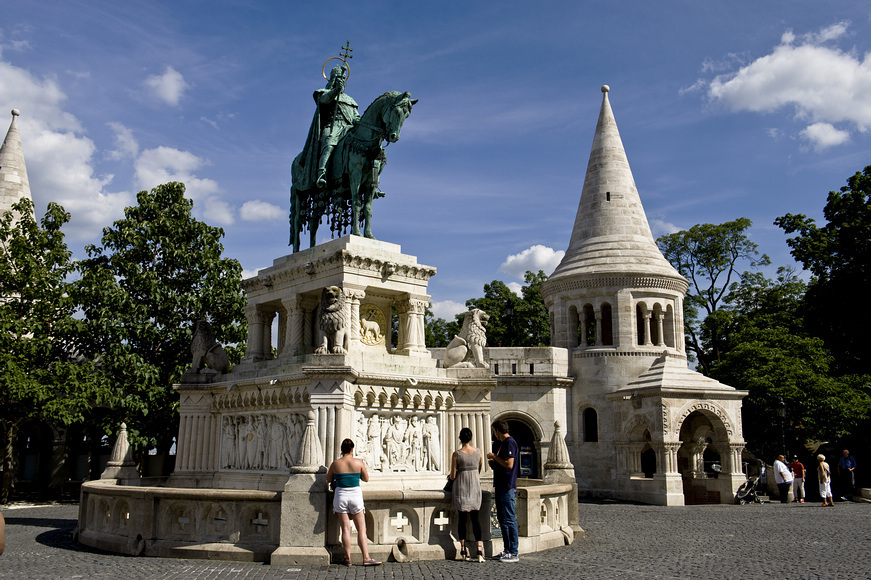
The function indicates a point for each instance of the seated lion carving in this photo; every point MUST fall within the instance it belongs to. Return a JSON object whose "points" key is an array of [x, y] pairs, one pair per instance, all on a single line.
{"points": [[207, 351], [333, 322], [466, 350]]}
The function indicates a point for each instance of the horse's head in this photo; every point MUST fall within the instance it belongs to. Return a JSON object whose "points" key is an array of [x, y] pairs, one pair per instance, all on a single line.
{"points": [[395, 114]]}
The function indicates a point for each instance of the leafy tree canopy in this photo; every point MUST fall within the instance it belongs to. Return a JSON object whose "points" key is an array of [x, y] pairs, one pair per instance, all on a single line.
{"points": [[40, 378], [838, 255], [514, 320], [709, 256], [156, 272]]}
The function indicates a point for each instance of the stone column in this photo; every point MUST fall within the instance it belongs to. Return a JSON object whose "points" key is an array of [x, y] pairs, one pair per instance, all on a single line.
{"points": [[411, 326], [647, 341], [582, 316], [670, 456], [598, 315], [254, 346], [659, 327], [267, 317], [354, 296], [293, 331]]}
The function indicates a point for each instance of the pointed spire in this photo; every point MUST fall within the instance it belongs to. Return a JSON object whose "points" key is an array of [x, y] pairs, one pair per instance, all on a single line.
{"points": [[121, 466], [611, 234], [13, 174]]}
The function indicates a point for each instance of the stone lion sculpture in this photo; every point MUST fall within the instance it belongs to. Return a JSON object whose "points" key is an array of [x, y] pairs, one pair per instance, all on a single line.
{"points": [[333, 322], [466, 350], [207, 351]]}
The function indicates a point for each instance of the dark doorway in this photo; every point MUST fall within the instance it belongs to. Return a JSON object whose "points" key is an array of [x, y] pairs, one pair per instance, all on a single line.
{"points": [[529, 464]]}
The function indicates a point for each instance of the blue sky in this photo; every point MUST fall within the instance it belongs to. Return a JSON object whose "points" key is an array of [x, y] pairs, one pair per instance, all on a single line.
{"points": [[726, 110]]}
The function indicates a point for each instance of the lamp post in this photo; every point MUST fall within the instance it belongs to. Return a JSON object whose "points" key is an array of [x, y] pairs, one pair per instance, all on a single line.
{"points": [[781, 412]]}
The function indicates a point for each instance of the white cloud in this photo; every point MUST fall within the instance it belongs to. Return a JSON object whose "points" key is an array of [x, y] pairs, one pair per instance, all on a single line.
{"points": [[249, 273], [59, 160], [447, 309], [164, 164], [823, 135], [516, 287], [256, 211], [167, 87], [823, 84], [660, 227], [535, 258], [126, 145]]}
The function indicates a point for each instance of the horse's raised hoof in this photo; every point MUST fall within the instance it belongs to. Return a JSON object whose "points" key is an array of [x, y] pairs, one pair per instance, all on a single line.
{"points": [[322, 182]]}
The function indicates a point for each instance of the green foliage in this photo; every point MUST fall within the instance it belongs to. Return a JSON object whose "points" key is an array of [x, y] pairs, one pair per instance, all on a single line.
{"points": [[768, 351], [709, 256], [156, 272], [40, 378], [514, 320], [839, 257]]}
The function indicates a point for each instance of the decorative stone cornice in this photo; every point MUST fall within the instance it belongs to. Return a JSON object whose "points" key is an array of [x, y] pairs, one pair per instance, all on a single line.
{"points": [[551, 288]]}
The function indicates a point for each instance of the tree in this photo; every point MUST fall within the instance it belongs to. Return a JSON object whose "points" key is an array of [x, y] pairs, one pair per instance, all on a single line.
{"points": [[514, 320], [40, 378], [157, 271], [767, 350], [838, 255], [709, 256]]}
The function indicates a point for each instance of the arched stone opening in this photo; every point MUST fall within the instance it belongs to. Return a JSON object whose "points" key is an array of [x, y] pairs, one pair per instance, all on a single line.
{"points": [[590, 422], [704, 442], [588, 327], [648, 461], [528, 436]]}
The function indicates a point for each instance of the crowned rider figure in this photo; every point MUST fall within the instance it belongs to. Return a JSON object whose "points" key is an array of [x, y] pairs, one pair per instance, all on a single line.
{"points": [[335, 114]]}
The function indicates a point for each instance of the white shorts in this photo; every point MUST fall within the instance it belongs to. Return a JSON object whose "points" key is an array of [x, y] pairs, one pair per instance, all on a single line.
{"points": [[825, 489], [348, 500]]}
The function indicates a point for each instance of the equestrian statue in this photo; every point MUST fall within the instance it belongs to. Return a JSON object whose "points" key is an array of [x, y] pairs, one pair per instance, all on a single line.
{"points": [[336, 174]]}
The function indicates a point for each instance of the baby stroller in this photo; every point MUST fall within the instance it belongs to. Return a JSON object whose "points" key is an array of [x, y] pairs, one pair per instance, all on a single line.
{"points": [[747, 492]]}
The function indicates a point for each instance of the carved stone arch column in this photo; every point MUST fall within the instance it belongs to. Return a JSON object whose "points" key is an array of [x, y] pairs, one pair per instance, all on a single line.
{"points": [[254, 345], [293, 333], [354, 296]]}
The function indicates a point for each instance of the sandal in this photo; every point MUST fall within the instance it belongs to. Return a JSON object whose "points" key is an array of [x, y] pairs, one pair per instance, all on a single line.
{"points": [[371, 562], [346, 563]]}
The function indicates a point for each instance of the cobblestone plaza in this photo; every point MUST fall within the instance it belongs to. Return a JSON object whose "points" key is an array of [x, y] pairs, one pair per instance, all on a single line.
{"points": [[622, 541]]}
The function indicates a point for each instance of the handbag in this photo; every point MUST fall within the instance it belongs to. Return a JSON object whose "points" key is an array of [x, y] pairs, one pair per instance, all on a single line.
{"points": [[449, 486]]}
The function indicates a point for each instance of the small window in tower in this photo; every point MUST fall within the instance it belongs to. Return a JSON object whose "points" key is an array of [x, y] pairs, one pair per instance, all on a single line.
{"points": [[496, 369], [531, 368], [607, 196], [513, 368]]}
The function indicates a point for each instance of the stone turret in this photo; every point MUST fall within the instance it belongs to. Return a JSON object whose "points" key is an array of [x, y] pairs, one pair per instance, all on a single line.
{"points": [[613, 289], [13, 173]]}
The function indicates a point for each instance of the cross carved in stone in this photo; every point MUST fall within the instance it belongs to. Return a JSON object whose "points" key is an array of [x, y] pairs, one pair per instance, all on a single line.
{"points": [[442, 520], [399, 521], [259, 522]]}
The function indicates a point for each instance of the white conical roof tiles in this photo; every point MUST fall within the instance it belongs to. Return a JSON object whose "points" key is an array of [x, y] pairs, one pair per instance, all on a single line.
{"points": [[611, 234]]}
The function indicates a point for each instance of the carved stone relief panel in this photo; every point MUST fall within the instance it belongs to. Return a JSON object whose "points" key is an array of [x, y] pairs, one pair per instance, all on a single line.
{"points": [[261, 441], [373, 325], [399, 442]]}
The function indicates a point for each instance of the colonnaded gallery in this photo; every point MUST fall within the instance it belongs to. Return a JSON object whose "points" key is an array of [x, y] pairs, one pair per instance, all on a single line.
{"points": [[610, 409]]}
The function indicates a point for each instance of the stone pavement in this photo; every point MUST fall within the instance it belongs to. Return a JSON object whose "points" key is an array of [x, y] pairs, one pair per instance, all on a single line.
{"points": [[623, 541]]}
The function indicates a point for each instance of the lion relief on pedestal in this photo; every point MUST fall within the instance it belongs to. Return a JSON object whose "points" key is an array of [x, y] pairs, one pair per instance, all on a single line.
{"points": [[466, 350], [333, 322]]}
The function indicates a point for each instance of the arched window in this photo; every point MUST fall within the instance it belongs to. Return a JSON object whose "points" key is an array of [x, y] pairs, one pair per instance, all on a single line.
{"points": [[607, 325], [639, 323], [589, 326], [648, 461], [574, 324], [591, 425]]}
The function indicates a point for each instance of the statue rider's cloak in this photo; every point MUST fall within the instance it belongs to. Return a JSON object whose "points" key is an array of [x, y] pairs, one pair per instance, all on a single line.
{"points": [[346, 107]]}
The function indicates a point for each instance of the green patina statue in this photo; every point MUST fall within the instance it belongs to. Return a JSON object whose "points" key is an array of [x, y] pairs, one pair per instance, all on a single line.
{"points": [[336, 174]]}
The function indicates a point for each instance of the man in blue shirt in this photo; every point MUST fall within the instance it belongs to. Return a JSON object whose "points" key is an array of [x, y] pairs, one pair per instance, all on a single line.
{"points": [[505, 463], [847, 474]]}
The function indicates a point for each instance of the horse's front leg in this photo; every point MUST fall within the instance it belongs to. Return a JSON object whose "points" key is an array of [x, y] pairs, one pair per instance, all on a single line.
{"points": [[355, 179]]}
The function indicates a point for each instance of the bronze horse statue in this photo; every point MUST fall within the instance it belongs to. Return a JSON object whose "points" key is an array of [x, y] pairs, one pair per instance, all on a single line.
{"points": [[352, 173]]}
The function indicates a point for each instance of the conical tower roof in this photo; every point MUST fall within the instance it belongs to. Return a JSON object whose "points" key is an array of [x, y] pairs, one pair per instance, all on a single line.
{"points": [[13, 173], [611, 235]]}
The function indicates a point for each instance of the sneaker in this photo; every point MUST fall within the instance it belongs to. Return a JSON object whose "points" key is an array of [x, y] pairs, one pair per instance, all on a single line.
{"points": [[499, 555], [509, 558], [801, 501]]}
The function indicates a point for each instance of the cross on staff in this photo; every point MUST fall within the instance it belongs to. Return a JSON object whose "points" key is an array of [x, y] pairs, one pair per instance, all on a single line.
{"points": [[346, 51]]}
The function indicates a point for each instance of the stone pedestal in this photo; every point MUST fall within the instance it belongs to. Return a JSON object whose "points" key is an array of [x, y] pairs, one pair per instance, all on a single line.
{"points": [[304, 513]]}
